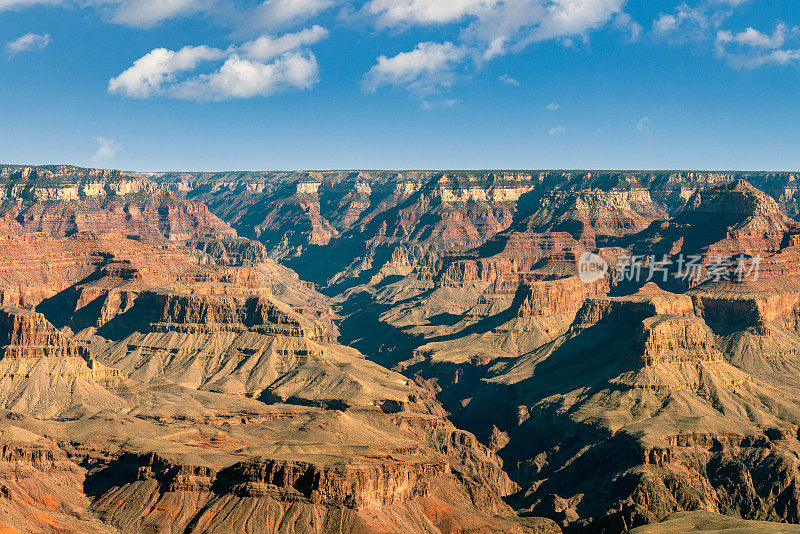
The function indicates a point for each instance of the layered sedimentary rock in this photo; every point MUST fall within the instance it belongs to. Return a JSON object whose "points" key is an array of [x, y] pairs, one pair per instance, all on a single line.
{"points": [[716, 227], [34, 267], [27, 334], [594, 214], [171, 460], [649, 301], [671, 396], [242, 345], [335, 441], [734, 306], [168, 458], [407, 491], [359, 217], [689, 521], [41, 490], [157, 312], [234, 252], [362, 216], [557, 297], [88, 279], [45, 372], [468, 282], [657, 410], [671, 418], [748, 214], [61, 201], [674, 339]]}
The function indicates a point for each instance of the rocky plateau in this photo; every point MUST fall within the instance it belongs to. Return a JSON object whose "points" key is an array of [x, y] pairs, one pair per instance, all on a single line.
{"points": [[416, 351]]}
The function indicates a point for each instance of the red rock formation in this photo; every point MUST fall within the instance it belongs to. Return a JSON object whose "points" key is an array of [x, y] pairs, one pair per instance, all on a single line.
{"points": [[233, 252], [470, 278], [44, 371], [27, 334], [734, 305], [352, 486], [559, 297], [66, 200], [41, 490], [457, 482], [675, 339], [637, 375], [204, 310], [648, 302], [593, 214]]}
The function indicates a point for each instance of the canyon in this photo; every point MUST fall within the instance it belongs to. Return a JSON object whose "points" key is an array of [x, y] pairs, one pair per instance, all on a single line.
{"points": [[398, 351]]}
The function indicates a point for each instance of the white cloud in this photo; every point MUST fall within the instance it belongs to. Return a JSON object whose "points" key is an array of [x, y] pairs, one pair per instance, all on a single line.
{"points": [[625, 22], [150, 73], [497, 27], [244, 18], [508, 80], [750, 48], [574, 17], [746, 49], [773, 57], [643, 125], [259, 67], [511, 26], [106, 150], [781, 57], [552, 106], [492, 28], [135, 13], [688, 23], [557, 130], [6, 5], [242, 78], [665, 23], [28, 43], [276, 14], [754, 38], [754, 60], [148, 13], [406, 12], [424, 70], [266, 48], [428, 105]]}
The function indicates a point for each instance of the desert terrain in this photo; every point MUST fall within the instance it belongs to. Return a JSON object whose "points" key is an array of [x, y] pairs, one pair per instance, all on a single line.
{"points": [[399, 351]]}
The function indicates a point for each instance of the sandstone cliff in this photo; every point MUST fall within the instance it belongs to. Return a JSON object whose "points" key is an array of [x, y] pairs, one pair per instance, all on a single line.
{"points": [[46, 373], [61, 201]]}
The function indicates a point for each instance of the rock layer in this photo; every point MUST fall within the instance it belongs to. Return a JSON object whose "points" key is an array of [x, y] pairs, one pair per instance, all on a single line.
{"points": [[61, 201]]}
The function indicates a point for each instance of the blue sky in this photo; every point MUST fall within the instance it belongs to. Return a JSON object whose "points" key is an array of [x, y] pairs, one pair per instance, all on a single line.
{"points": [[319, 84]]}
